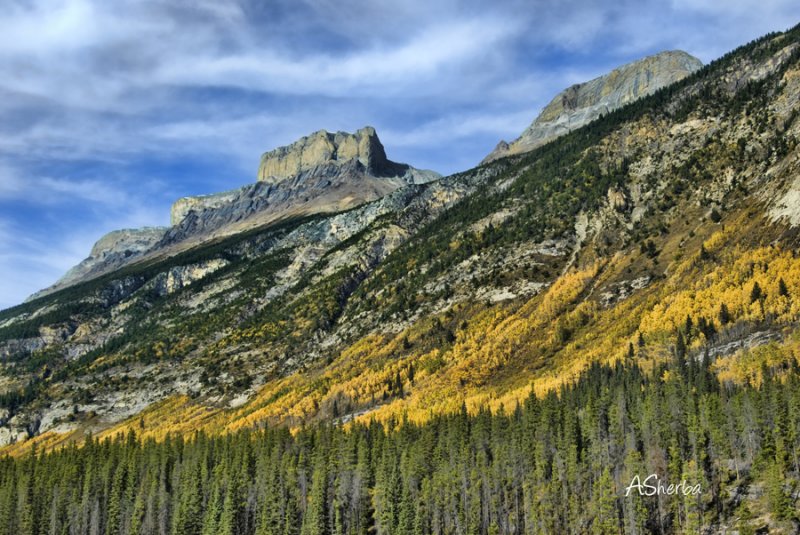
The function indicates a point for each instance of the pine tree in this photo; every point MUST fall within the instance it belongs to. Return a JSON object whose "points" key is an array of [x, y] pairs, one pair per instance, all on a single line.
{"points": [[315, 521], [114, 512], [780, 504], [723, 316], [605, 520], [783, 291], [213, 513], [745, 520], [692, 505], [406, 514], [680, 354], [755, 293], [229, 518]]}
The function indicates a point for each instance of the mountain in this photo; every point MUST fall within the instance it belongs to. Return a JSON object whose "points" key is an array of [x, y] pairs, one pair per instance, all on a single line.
{"points": [[252, 293], [502, 349], [320, 173], [582, 103]]}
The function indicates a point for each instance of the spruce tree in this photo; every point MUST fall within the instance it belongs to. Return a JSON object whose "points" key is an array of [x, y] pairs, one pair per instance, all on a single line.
{"points": [[605, 520]]}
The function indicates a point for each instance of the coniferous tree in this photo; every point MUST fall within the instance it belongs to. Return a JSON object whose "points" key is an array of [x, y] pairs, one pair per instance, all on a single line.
{"points": [[723, 315], [783, 291], [605, 520], [755, 293], [316, 515]]}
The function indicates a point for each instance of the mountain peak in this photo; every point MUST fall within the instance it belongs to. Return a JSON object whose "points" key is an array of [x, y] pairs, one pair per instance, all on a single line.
{"points": [[325, 148], [309, 167], [584, 102]]}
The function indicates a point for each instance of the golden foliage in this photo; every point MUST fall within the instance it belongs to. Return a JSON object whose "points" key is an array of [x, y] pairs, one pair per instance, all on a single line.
{"points": [[496, 355]]}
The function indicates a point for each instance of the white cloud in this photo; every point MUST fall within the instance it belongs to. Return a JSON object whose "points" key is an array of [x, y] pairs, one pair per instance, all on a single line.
{"points": [[452, 128], [416, 64], [28, 264]]}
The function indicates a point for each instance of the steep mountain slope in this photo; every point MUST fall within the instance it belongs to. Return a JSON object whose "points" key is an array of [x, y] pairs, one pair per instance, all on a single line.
{"points": [[582, 103], [623, 237]]}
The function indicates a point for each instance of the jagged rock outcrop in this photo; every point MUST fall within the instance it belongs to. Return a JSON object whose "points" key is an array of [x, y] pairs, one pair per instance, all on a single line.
{"points": [[582, 103], [326, 148], [110, 252], [184, 205], [308, 166], [179, 277]]}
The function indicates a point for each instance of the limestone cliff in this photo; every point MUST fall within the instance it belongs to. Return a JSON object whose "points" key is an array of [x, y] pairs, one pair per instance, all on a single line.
{"points": [[326, 148], [582, 103], [319, 154], [184, 205]]}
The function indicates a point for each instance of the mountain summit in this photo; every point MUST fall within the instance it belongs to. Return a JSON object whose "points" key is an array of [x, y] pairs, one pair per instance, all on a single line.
{"points": [[338, 149], [321, 170], [582, 103]]}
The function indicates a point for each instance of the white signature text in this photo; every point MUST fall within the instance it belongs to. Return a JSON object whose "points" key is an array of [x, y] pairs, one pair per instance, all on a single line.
{"points": [[652, 486]]}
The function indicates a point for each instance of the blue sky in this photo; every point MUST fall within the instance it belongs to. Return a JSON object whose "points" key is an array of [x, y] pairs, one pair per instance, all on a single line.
{"points": [[109, 111]]}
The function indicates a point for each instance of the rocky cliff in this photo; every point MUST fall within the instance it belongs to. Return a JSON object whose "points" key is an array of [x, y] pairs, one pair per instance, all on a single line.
{"points": [[198, 203], [325, 148], [320, 155], [582, 103], [323, 172]]}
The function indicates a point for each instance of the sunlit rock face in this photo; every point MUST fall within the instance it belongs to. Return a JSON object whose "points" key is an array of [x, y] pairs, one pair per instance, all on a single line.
{"points": [[582, 103]]}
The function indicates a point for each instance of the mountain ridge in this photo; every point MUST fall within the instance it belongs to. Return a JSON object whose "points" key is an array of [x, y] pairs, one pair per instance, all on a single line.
{"points": [[503, 350], [323, 172], [584, 102]]}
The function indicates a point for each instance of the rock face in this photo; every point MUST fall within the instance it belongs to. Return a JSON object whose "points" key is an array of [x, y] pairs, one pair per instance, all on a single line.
{"points": [[184, 205], [323, 149], [582, 103], [128, 241], [179, 277], [321, 154], [109, 252]]}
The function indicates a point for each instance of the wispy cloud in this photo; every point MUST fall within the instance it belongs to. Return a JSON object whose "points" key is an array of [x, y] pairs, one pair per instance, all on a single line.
{"points": [[45, 190]]}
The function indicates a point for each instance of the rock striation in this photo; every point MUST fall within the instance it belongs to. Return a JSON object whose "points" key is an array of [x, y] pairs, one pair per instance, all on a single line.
{"points": [[320, 173], [198, 203], [323, 154], [582, 103]]}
